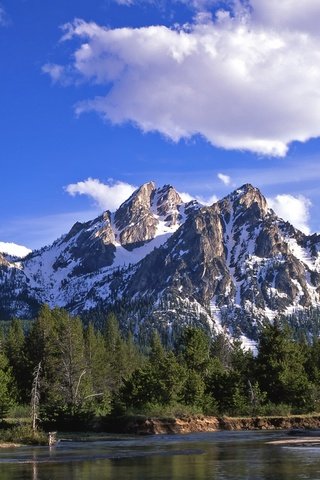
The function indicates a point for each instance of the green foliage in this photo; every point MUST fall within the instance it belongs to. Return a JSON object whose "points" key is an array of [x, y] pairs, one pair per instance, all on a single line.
{"points": [[87, 372], [167, 411], [280, 369], [15, 350], [195, 349], [270, 409], [19, 412], [7, 387], [23, 434], [159, 381]]}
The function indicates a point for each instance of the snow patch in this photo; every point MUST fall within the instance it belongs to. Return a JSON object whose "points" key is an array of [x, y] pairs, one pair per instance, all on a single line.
{"points": [[303, 255]]}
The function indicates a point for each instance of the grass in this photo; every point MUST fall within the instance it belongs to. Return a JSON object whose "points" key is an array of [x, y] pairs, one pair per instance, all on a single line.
{"points": [[23, 434]]}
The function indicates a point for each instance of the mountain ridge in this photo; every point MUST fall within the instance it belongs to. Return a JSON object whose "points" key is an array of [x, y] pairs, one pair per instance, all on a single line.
{"points": [[230, 266]]}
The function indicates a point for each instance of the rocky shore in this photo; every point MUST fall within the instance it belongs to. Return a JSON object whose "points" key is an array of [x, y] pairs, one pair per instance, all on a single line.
{"points": [[141, 425]]}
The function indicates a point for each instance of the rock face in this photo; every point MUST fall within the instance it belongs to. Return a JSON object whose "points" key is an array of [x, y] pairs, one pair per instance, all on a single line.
{"points": [[230, 266]]}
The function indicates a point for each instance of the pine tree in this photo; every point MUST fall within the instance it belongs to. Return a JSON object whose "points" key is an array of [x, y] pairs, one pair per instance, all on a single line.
{"points": [[7, 386], [98, 370], [280, 369], [195, 349], [73, 383], [16, 354]]}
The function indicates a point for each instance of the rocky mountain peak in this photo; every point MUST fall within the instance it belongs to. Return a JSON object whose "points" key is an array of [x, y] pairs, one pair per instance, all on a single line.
{"points": [[136, 206], [246, 204], [167, 205], [134, 220], [251, 197]]}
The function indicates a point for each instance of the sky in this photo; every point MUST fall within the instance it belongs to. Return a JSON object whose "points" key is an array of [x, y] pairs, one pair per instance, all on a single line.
{"points": [[99, 97]]}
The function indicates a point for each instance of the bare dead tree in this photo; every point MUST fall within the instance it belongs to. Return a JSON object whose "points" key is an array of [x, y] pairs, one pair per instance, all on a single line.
{"points": [[35, 396]]}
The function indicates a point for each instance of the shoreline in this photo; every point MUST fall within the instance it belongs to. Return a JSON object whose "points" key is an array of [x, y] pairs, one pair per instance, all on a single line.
{"points": [[147, 425], [10, 445], [143, 425]]}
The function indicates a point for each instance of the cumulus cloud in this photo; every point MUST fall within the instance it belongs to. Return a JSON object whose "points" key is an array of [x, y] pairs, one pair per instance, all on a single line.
{"points": [[56, 72], [186, 197], [106, 196], [237, 79], [290, 14], [207, 200], [294, 209], [224, 178], [14, 250]]}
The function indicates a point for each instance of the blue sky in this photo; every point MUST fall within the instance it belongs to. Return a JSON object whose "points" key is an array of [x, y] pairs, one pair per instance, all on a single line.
{"points": [[201, 94]]}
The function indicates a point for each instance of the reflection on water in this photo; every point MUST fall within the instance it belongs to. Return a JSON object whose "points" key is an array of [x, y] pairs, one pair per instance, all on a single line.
{"points": [[214, 456]]}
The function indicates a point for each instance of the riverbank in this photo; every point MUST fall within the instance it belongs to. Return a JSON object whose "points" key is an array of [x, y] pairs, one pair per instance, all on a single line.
{"points": [[141, 425], [10, 445]]}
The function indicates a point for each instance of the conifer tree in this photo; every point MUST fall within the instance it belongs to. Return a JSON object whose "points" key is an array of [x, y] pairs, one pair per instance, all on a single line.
{"points": [[16, 354], [98, 370], [280, 369], [7, 386]]}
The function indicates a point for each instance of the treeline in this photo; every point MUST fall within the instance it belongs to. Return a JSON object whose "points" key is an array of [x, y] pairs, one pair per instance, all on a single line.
{"points": [[86, 373]]}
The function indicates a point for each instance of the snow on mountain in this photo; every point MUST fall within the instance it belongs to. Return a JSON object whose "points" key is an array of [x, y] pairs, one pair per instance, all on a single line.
{"points": [[230, 266]]}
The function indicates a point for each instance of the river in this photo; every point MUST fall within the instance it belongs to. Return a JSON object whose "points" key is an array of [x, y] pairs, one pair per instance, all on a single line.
{"points": [[203, 456]]}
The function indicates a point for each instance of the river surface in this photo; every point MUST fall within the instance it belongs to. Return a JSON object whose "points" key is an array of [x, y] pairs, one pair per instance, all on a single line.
{"points": [[203, 456]]}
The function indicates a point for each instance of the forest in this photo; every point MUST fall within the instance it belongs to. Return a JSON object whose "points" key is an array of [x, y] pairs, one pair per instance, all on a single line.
{"points": [[71, 374]]}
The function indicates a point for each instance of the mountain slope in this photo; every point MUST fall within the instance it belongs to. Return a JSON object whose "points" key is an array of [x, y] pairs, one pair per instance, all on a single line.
{"points": [[230, 266]]}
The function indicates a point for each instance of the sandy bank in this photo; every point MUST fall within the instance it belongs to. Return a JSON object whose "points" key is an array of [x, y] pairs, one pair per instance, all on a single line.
{"points": [[9, 445], [149, 426], [296, 441]]}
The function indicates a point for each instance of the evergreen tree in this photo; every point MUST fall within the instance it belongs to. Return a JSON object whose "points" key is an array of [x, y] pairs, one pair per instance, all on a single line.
{"points": [[73, 384], [98, 370], [280, 369], [7, 386], [195, 349], [16, 354], [158, 382], [115, 353]]}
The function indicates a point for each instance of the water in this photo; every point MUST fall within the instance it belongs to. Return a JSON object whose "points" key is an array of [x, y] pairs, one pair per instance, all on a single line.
{"points": [[214, 456]]}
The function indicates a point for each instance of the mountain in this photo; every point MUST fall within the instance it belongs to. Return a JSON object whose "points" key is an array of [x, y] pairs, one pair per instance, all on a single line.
{"points": [[164, 263]]}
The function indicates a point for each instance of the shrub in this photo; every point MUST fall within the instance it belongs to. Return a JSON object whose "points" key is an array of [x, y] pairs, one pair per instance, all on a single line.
{"points": [[25, 435]]}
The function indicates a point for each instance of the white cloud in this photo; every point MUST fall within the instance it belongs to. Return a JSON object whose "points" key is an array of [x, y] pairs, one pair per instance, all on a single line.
{"points": [[238, 83], [294, 209], [193, 4], [106, 196], [125, 2], [204, 200], [290, 14], [207, 200], [14, 249], [56, 72], [224, 178], [186, 197]]}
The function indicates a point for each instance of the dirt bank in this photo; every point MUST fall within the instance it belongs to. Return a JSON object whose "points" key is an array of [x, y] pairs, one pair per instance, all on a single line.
{"points": [[149, 426], [9, 445]]}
